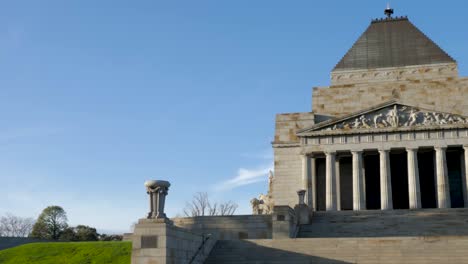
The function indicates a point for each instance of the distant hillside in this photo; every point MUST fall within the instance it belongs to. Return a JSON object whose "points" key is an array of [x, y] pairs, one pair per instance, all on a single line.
{"points": [[68, 253]]}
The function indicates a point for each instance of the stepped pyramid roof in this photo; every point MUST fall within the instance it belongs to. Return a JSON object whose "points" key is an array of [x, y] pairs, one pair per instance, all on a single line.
{"points": [[392, 42]]}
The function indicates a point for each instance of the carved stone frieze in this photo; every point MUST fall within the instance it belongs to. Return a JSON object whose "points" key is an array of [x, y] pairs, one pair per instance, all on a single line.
{"points": [[397, 116]]}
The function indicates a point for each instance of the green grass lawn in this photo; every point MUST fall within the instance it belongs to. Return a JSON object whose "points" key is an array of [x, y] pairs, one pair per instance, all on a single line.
{"points": [[69, 252]]}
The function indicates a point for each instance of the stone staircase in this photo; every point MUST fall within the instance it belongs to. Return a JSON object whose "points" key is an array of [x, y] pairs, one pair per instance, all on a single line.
{"points": [[402, 236], [342, 250], [426, 222]]}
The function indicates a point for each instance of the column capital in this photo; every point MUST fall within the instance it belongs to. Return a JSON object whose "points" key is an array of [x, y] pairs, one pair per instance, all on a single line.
{"points": [[310, 155], [354, 152], [440, 148], [383, 150], [329, 153], [465, 147], [412, 149]]}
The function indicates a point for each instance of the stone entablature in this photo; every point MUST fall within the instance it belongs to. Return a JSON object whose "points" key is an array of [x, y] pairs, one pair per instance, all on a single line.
{"points": [[419, 72], [391, 139]]}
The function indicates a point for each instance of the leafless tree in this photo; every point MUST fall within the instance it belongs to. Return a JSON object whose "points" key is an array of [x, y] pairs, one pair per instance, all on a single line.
{"points": [[201, 206], [15, 226], [228, 208]]}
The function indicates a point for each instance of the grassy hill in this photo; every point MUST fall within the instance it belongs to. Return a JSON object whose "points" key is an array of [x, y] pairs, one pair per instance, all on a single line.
{"points": [[68, 253]]}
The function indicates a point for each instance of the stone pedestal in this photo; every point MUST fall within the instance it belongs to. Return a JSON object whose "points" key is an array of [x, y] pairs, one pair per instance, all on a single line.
{"points": [[302, 210], [284, 222], [158, 241]]}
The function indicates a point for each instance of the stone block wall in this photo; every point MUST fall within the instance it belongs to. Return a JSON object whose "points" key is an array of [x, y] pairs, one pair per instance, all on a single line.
{"points": [[288, 175], [162, 243], [287, 125], [229, 227], [287, 162], [447, 94]]}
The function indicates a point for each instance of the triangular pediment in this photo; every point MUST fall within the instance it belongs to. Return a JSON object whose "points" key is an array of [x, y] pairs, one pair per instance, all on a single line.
{"points": [[391, 115]]}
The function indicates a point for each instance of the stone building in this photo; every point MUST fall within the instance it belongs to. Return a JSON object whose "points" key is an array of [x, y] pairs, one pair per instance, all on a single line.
{"points": [[390, 132]]}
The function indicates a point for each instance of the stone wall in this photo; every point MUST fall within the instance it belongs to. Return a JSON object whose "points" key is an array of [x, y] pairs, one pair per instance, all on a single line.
{"points": [[416, 250], [228, 227], [439, 94], [288, 175], [287, 125], [288, 163], [154, 242]]}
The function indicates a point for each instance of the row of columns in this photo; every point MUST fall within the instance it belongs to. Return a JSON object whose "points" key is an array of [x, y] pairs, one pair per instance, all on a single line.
{"points": [[332, 179]]}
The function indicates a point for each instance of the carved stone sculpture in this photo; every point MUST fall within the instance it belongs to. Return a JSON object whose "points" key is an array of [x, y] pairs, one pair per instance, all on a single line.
{"points": [[393, 118], [264, 203], [157, 191], [255, 203], [413, 116], [397, 116]]}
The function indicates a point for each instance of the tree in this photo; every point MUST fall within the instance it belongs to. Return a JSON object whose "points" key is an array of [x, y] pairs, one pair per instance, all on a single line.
{"points": [[86, 233], [79, 233], [201, 206], [15, 226], [104, 237], [50, 223], [68, 234]]}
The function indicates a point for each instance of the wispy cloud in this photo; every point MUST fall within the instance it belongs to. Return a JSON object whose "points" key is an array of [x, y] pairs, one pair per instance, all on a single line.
{"points": [[245, 177]]}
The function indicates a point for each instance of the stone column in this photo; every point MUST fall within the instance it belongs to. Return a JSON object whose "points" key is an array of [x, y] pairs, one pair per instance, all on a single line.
{"points": [[465, 175], [157, 191], [359, 199], [151, 203], [338, 187], [313, 174], [330, 181], [442, 181], [386, 201], [413, 179], [305, 173]]}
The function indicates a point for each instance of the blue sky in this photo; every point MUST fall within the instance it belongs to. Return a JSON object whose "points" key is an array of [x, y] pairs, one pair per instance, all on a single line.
{"points": [[98, 96]]}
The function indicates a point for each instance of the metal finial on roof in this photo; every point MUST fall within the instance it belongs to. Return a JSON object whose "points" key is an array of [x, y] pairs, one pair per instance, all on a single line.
{"points": [[388, 11]]}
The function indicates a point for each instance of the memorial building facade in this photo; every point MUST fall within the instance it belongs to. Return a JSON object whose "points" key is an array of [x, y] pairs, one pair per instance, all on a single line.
{"points": [[390, 132]]}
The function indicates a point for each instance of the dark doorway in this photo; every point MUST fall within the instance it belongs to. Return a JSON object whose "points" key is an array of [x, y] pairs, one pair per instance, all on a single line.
{"points": [[454, 175], [346, 183], [372, 178], [399, 172], [320, 197], [427, 178]]}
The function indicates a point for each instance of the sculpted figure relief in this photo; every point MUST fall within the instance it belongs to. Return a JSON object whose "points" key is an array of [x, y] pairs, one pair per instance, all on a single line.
{"points": [[398, 116], [264, 203], [413, 116], [393, 117]]}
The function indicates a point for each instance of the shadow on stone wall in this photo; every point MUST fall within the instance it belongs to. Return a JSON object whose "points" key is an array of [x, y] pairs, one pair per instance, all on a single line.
{"points": [[391, 223], [229, 227], [244, 250]]}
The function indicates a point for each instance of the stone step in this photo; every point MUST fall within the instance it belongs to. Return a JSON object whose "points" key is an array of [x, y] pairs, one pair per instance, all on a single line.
{"points": [[342, 250], [425, 222]]}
